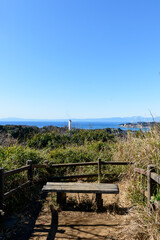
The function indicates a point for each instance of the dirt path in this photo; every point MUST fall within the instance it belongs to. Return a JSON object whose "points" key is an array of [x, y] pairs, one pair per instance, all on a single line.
{"points": [[119, 220]]}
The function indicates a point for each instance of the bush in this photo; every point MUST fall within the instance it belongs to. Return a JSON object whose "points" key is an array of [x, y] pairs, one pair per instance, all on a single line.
{"points": [[75, 137], [73, 155], [16, 156]]}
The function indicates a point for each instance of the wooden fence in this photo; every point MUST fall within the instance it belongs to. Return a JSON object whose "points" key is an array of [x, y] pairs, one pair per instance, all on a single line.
{"points": [[151, 174], [152, 179], [30, 167]]}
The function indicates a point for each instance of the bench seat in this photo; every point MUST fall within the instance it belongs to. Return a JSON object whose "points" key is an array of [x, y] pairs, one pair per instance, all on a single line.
{"points": [[73, 187], [61, 188]]}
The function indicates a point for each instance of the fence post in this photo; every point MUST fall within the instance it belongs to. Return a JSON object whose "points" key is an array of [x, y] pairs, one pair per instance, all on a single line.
{"points": [[30, 171], [99, 170], [1, 197], [151, 168]]}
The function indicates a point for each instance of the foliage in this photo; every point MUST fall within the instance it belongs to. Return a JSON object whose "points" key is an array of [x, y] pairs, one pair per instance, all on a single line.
{"points": [[19, 132], [75, 137], [22, 133], [16, 156], [50, 140], [156, 197], [73, 155]]}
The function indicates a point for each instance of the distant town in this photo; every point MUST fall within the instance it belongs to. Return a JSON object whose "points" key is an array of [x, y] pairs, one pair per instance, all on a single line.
{"points": [[139, 124]]}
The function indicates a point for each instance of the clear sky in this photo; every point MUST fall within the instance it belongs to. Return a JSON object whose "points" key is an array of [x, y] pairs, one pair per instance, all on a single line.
{"points": [[79, 58]]}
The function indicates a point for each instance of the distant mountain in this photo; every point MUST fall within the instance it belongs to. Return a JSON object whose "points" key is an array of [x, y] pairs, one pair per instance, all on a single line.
{"points": [[11, 119], [14, 119], [133, 119], [120, 119]]}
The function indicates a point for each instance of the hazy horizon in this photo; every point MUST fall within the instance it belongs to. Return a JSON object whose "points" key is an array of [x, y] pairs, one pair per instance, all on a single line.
{"points": [[113, 119]]}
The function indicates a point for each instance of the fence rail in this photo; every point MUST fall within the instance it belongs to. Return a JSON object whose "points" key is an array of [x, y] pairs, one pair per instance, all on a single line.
{"points": [[151, 174], [155, 177], [79, 164], [11, 192], [30, 167], [18, 170], [152, 179]]}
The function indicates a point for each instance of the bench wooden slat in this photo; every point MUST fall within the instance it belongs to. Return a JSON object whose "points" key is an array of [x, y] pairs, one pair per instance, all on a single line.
{"points": [[73, 184], [81, 188]]}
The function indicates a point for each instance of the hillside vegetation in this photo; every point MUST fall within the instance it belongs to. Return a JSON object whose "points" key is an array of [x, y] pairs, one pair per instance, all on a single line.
{"points": [[20, 143]]}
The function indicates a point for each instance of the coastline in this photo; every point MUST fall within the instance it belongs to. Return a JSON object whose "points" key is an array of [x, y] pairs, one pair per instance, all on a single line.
{"points": [[140, 125], [75, 124], [82, 124]]}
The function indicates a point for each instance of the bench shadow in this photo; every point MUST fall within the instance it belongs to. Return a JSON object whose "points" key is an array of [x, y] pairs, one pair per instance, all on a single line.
{"points": [[56, 228], [88, 205], [54, 224], [26, 228], [114, 208]]}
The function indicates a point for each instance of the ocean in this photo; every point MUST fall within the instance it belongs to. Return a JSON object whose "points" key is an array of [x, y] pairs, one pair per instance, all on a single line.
{"points": [[75, 124]]}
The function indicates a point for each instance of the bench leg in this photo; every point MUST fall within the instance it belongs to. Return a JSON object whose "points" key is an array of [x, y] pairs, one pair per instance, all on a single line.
{"points": [[61, 198], [99, 201]]}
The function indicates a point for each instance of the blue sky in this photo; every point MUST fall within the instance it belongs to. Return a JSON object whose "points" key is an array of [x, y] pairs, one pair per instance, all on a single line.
{"points": [[79, 58]]}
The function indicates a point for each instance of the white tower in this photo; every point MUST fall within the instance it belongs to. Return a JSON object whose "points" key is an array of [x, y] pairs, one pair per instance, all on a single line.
{"points": [[69, 125]]}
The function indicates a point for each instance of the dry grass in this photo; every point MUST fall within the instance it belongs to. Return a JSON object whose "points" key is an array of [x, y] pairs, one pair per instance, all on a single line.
{"points": [[143, 149]]}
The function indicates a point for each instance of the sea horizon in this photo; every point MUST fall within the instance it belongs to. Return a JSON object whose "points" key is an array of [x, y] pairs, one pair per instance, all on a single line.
{"points": [[91, 119], [75, 124]]}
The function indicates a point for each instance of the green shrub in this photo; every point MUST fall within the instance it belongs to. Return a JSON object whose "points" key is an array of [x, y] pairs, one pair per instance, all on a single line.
{"points": [[73, 155], [16, 156]]}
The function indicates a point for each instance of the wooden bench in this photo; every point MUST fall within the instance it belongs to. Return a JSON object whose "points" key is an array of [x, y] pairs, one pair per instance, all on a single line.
{"points": [[61, 188]]}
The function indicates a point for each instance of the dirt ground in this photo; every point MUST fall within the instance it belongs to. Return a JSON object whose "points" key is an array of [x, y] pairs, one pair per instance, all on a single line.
{"points": [[118, 220]]}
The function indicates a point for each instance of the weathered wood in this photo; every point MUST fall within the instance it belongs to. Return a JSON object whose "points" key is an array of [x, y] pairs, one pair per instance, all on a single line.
{"points": [[79, 176], [1, 186], [81, 187], [81, 184], [1, 192], [79, 164], [90, 163], [46, 165], [140, 170], [71, 187], [61, 198], [150, 169], [72, 164], [99, 201], [11, 192], [30, 171], [15, 171], [99, 170], [155, 177], [40, 166], [152, 179], [117, 163]]}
